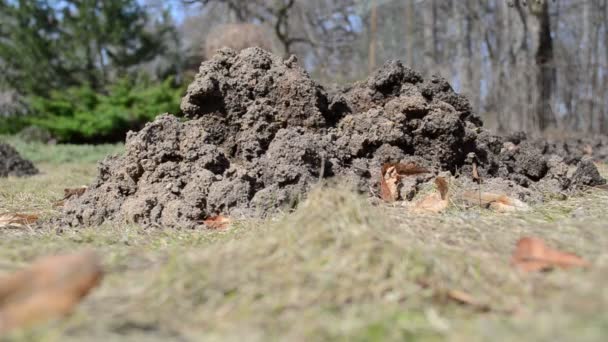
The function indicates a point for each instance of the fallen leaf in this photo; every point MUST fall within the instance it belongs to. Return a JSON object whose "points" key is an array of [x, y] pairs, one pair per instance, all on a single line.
{"points": [[390, 176], [464, 298], [50, 288], [70, 193], [17, 220], [496, 202], [442, 186], [436, 202], [532, 254], [476, 173], [409, 169], [388, 184], [217, 222]]}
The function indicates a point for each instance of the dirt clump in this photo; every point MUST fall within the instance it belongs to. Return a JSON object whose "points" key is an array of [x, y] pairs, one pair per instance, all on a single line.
{"points": [[261, 133], [12, 164], [574, 149]]}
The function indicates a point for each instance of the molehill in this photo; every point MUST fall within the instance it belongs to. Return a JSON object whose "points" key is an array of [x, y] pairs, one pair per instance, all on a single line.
{"points": [[573, 149], [260, 133], [12, 164]]}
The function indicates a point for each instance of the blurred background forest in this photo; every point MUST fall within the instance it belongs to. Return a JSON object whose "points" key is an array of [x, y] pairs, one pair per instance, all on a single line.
{"points": [[90, 70]]}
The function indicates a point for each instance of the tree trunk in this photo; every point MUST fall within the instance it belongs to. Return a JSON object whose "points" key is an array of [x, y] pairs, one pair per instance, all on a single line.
{"points": [[546, 69], [410, 32], [604, 92], [429, 35], [373, 30]]}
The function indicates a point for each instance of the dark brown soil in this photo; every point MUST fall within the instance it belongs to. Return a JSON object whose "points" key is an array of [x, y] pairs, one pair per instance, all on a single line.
{"points": [[573, 148], [12, 164], [261, 133]]}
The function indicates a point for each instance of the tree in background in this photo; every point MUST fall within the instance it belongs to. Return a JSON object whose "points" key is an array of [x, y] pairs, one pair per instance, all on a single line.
{"points": [[89, 70], [320, 32], [47, 45], [238, 37], [275, 14], [533, 65], [83, 115], [30, 34], [536, 65]]}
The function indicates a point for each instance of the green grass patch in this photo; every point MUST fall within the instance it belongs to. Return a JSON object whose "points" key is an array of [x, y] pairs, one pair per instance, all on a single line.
{"points": [[62, 153]]}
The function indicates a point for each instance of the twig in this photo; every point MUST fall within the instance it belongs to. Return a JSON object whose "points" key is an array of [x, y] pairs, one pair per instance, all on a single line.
{"points": [[322, 171], [477, 179]]}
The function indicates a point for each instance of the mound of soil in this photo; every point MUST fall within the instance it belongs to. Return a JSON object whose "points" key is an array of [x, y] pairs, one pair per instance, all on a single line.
{"points": [[12, 164], [261, 133], [571, 149]]}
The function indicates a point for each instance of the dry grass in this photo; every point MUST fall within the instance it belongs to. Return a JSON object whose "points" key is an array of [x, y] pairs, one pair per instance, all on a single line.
{"points": [[336, 269]]}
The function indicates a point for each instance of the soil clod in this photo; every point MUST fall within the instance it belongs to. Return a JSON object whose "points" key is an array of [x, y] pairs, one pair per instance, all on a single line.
{"points": [[12, 164]]}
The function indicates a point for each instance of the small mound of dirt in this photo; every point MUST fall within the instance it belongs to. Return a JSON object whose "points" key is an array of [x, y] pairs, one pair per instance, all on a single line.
{"points": [[262, 133], [12, 164], [572, 149]]}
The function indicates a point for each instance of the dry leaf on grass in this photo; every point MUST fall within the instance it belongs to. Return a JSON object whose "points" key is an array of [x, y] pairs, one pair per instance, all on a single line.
{"points": [[17, 220], [464, 298], [70, 193], [459, 297], [217, 222], [436, 202], [532, 254], [50, 288], [391, 175], [388, 184], [476, 173], [496, 202]]}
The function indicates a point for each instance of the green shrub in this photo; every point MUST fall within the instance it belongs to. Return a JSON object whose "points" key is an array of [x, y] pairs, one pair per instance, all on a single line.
{"points": [[80, 114], [12, 124]]}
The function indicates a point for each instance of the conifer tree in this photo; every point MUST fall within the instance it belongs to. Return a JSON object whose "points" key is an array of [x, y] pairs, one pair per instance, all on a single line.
{"points": [[46, 45]]}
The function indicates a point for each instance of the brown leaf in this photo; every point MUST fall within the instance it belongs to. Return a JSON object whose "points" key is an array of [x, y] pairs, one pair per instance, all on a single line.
{"points": [[464, 298], [50, 288], [476, 173], [497, 202], [388, 184], [436, 202], [217, 222], [390, 176], [409, 169], [17, 220], [442, 186], [70, 193], [532, 254]]}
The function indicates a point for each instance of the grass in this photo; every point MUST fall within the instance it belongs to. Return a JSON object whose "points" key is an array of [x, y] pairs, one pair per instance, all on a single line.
{"points": [[338, 268], [61, 153]]}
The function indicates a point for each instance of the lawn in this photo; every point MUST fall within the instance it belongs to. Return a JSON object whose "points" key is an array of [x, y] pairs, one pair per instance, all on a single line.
{"points": [[338, 268]]}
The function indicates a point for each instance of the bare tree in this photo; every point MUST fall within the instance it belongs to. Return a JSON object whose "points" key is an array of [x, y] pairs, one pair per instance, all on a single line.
{"points": [[545, 63], [430, 24], [532, 65], [272, 13], [373, 30], [409, 36], [238, 37]]}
